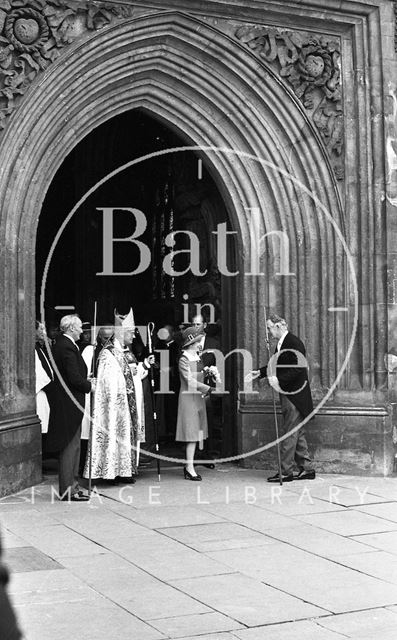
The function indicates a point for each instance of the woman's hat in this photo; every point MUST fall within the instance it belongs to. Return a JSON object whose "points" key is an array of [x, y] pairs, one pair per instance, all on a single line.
{"points": [[191, 335]]}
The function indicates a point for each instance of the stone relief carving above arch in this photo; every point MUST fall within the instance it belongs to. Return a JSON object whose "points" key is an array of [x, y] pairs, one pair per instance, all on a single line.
{"points": [[33, 33], [311, 65]]}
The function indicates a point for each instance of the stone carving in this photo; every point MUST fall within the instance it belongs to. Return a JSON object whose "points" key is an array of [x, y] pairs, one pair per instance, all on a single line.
{"points": [[311, 66], [395, 25], [33, 33]]}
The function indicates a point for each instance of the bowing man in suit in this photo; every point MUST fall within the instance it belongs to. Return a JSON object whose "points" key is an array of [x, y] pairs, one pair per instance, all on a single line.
{"points": [[291, 381], [71, 385]]}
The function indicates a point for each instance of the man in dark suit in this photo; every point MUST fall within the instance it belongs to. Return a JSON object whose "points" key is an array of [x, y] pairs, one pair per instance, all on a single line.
{"points": [[287, 373], [167, 350], [71, 385]]}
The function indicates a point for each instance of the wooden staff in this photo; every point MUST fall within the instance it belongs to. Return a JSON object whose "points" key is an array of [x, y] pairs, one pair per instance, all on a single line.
{"points": [[150, 329], [92, 402], [274, 405]]}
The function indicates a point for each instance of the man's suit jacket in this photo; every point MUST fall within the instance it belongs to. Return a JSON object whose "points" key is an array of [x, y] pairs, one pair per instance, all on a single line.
{"points": [[66, 417], [292, 379], [208, 357]]}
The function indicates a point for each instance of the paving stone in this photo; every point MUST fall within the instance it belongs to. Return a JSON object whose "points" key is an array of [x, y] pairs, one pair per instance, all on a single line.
{"points": [[208, 537], [337, 493], [252, 517], [44, 587], [25, 520], [58, 541], [386, 510], [382, 541], [306, 630], [96, 620], [213, 636], [97, 526], [384, 488], [378, 564], [179, 626], [266, 565], [160, 517], [246, 600], [107, 573], [299, 502], [320, 542], [375, 622], [151, 599], [312, 579], [165, 558], [10, 540], [28, 559], [349, 523]]}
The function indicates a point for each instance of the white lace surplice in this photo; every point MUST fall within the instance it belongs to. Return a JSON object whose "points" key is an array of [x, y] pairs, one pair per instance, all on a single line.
{"points": [[42, 406], [87, 356]]}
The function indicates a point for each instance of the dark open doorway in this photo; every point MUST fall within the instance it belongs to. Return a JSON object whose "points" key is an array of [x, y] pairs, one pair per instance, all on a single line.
{"points": [[174, 191]]}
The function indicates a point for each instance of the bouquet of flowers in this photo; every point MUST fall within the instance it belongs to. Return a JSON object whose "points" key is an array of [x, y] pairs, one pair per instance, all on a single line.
{"points": [[212, 374]]}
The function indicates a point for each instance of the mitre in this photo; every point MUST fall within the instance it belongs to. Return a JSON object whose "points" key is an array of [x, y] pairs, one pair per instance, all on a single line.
{"points": [[126, 321]]}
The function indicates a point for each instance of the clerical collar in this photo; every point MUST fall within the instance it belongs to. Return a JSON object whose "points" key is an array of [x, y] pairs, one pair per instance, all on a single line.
{"points": [[191, 355], [280, 342]]}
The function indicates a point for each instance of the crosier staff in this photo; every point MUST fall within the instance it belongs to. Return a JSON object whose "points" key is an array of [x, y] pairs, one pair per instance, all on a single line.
{"points": [[92, 402], [274, 404], [150, 329]]}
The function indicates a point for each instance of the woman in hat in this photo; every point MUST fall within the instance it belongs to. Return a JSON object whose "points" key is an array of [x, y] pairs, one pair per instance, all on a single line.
{"points": [[192, 417]]}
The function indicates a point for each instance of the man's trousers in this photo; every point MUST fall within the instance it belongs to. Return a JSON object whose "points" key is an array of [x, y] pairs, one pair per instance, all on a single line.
{"points": [[294, 448], [69, 459]]}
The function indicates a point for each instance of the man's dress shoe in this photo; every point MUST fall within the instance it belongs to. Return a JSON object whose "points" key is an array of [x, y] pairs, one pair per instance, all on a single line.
{"points": [[305, 475], [75, 497], [276, 478]]}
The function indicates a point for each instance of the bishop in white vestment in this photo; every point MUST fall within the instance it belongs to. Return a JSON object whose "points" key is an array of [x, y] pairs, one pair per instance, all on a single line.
{"points": [[115, 418]]}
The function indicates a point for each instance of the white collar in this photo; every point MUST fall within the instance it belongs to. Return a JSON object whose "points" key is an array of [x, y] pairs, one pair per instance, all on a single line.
{"points": [[280, 342], [191, 355], [70, 338]]}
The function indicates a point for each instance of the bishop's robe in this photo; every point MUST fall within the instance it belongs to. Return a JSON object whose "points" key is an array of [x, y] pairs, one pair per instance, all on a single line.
{"points": [[115, 420]]}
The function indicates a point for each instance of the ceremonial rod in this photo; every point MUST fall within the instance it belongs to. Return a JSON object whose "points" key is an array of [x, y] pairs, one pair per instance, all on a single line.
{"points": [[150, 329], [274, 405], [92, 402]]}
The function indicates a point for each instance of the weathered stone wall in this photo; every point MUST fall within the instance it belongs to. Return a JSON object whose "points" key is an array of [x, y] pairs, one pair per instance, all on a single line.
{"points": [[308, 89]]}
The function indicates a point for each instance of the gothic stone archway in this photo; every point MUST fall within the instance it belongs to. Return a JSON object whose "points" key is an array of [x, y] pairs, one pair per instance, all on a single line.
{"points": [[213, 90]]}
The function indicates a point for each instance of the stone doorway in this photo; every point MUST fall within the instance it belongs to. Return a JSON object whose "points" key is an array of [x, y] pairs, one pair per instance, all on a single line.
{"points": [[175, 193], [220, 87]]}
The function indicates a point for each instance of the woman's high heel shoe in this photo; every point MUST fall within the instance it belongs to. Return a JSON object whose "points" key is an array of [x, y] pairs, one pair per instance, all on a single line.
{"points": [[188, 476]]}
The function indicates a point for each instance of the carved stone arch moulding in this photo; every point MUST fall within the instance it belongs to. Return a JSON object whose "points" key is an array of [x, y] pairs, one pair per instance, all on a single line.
{"points": [[33, 34], [311, 66], [207, 86]]}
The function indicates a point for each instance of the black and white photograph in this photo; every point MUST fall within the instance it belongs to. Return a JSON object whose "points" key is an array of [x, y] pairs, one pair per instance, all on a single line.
{"points": [[198, 319]]}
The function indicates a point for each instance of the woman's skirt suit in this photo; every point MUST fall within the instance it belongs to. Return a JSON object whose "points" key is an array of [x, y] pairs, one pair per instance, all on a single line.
{"points": [[192, 415]]}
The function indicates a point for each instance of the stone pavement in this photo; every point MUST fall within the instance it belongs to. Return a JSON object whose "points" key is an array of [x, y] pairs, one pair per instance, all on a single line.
{"points": [[230, 558]]}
